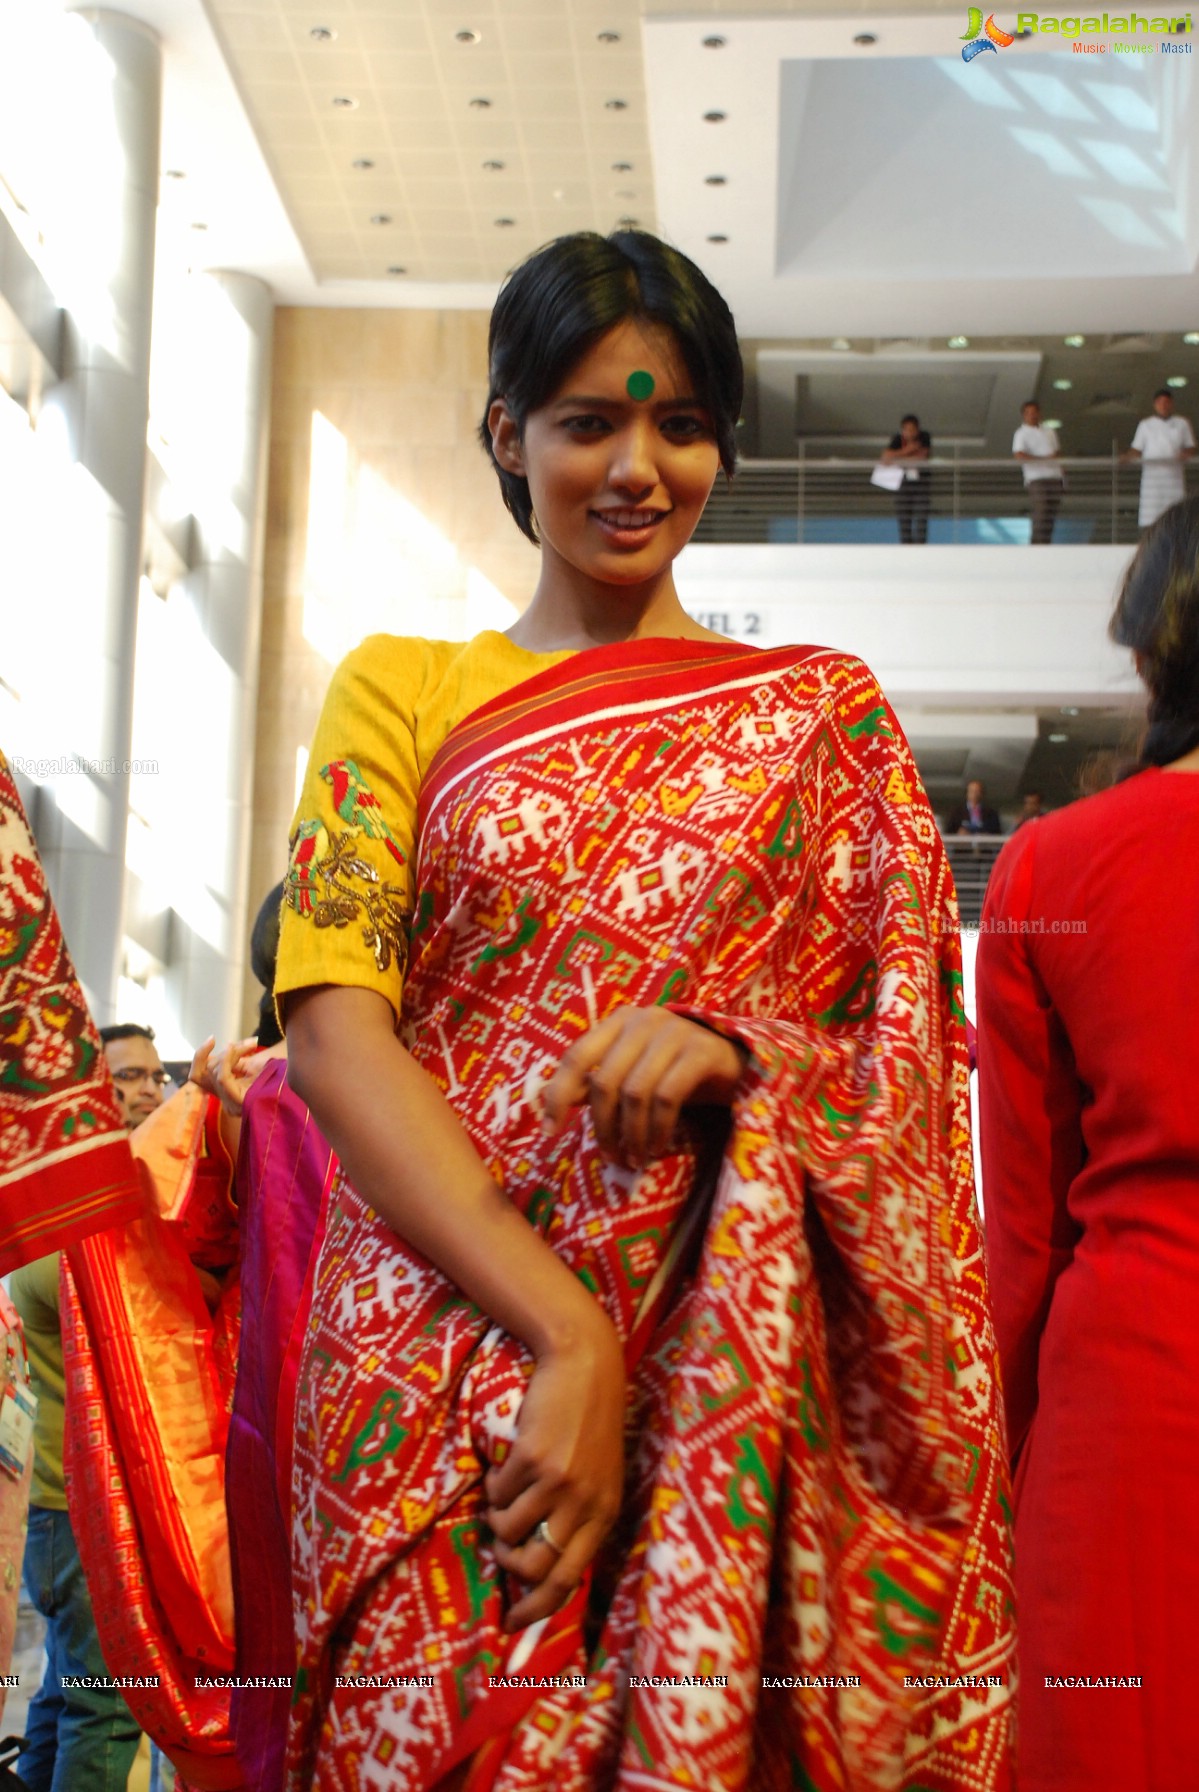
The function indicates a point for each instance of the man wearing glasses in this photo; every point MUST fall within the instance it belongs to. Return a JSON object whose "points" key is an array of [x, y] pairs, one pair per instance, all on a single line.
{"points": [[80, 1738], [137, 1070]]}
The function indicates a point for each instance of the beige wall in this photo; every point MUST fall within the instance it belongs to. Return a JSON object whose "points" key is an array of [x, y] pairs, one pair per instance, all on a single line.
{"points": [[405, 390]]}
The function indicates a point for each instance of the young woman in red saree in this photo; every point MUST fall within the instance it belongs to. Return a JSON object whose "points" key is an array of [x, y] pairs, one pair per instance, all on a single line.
{"points": [[647, 1431]]}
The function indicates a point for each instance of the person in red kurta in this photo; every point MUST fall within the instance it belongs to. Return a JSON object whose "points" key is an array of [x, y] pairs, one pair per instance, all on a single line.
{"points": [[1087, 971]]}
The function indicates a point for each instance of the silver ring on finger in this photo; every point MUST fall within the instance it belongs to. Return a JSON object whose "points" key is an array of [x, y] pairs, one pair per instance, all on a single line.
{"points": [[543, 1534]]}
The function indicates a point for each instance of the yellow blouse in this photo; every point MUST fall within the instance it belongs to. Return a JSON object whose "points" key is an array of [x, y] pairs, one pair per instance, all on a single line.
{"points": [[349, 894]]}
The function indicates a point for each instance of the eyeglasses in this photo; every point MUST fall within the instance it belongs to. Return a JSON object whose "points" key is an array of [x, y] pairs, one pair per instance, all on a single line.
{"points": [[160, 1078]]}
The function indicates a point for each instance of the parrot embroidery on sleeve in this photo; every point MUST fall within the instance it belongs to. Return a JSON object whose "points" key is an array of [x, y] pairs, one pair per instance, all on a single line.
{"points": [[331, 883]]}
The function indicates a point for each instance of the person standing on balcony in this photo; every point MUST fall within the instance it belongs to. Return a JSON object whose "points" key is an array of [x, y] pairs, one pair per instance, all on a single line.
{"points": [[909, 447], [1037, 449], [1165, 443], [1087, 967], [975, 815]]}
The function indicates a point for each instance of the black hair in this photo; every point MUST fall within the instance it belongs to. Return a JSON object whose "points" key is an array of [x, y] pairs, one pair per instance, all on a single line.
{"points": [[910, 418], [1163, 392], [1032, 401], [1157, 615], [127, 1029], [264, 951], [557, 305]]}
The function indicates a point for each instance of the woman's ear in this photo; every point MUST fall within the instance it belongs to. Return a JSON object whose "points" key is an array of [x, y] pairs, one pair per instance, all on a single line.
{"points": [[505, 438]]}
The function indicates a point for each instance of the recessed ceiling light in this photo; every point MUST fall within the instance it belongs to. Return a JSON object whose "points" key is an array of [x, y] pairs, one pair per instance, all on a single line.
{"points": [[322, 34], [1063, 385], [715, 180], [1074, 341], [1069, 709], [199, 226], [718, 238], [607, 37], [715, 43], [467, 37], [1057, 739], [492, 166], [1192, 337], [504, 223], [362, 163], [1177, 379], [395, 268], [380, 217], [479, 104], [1053, 423], [959, 342], [841, 343], [864, 39], [343, 102], [616, 105], [715, 117], [173, 174], [622, 167]]}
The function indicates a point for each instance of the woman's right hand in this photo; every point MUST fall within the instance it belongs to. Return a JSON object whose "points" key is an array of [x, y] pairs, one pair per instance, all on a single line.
{"points": [[565, 1468]]}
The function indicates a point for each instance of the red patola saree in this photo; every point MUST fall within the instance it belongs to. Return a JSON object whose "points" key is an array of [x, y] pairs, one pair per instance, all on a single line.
{"points": [[65, 1168], [810, 1583], [150, 1316]]}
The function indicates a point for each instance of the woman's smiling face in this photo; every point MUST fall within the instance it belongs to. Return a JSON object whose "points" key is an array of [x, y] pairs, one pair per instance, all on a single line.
{"points": [[618, 481]]}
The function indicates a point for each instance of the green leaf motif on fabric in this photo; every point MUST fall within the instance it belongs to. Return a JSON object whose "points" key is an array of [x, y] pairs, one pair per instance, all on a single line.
{"points": [[748, 1467], [844, 1122], [872, 725], [465, 1539], [951, 983], [540, 1210], [527, 932], [381, 1436], [857, 1004], [788, 842], [639, 1255], [424, 912], [890, 1601]]}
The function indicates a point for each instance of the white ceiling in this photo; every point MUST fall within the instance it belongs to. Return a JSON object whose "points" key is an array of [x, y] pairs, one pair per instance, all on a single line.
{"points": [[878, 190]]}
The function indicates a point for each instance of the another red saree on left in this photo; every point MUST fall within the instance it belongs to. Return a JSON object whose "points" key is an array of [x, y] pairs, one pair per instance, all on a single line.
{"points": [[810, 1584]]}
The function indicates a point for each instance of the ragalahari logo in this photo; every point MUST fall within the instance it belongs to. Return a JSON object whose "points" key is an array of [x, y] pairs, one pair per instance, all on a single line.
{"points": [[992, 37]]}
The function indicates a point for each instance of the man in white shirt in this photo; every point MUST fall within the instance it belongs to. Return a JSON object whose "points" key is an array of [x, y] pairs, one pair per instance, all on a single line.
{"points": [[1037, 449], [1164, 442]]}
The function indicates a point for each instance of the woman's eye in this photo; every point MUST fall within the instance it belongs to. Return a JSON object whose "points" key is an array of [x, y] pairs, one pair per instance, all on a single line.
{"points": [[685, 427], [586, 425]]}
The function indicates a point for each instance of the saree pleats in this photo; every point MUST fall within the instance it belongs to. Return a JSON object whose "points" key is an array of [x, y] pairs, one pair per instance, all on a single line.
{"points": [[283, 1174], [150, 1379], [815, 1518]]}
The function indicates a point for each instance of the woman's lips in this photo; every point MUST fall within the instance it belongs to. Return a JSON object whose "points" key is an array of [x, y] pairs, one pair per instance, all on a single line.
{"points": [[629, 527]]}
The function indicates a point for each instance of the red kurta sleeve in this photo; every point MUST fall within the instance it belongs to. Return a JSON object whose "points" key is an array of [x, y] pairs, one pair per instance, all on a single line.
{"points": [[1032, 1149]]}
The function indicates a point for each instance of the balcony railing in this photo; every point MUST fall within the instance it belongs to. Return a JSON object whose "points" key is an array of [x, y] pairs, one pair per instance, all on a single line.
{"points": [[972, 500], [971, 858]]}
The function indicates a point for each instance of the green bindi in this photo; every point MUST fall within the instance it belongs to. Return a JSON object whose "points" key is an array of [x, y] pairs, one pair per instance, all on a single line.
{"points": [[640, 384]]}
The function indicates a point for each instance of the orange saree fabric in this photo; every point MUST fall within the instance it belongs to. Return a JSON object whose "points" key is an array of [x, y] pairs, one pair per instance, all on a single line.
{"points": [[150, 1379], [65, 1168], [810, 1583]]}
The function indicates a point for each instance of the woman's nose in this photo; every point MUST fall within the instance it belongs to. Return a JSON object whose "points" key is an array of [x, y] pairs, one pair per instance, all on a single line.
{"points": [[634, 466]]}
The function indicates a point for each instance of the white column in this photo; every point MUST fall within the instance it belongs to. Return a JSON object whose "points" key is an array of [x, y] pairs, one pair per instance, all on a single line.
{"points": [[235, 320], [101, 407]]}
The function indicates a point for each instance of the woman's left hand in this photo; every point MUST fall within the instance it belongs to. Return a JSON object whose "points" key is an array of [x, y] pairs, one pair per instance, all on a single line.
{"points": [[228, 1074], [636, 1071]]}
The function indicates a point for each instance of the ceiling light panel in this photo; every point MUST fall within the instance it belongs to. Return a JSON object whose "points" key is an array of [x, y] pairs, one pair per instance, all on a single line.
{"points": [[541, 65]]}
